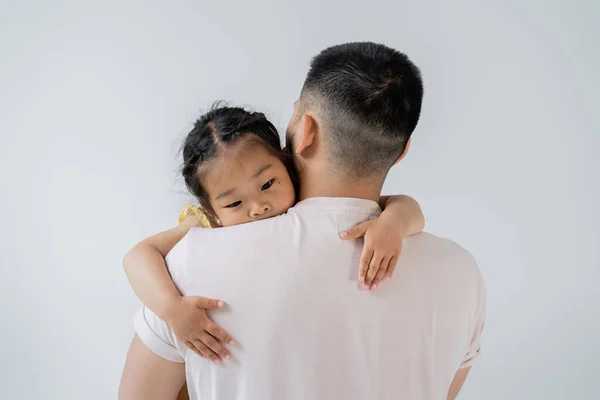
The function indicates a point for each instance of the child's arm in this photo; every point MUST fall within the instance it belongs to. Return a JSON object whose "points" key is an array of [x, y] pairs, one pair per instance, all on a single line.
{"points": [[403, 209], [401, 217], [147, 272]]}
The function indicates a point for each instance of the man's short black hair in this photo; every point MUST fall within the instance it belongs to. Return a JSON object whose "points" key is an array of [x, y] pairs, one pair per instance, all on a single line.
{"points": [[369, 97]]}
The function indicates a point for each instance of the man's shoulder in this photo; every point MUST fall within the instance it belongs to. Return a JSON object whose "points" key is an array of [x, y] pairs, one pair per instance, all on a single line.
{"points": [[445, 246], [243, 229], [231, 241], [441, 254]]}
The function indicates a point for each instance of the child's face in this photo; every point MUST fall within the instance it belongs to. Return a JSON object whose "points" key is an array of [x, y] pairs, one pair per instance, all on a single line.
{"points": [[248, 184]]}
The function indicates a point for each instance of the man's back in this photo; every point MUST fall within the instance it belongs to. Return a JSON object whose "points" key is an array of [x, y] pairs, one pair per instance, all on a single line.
{"points": [[305, 328]]}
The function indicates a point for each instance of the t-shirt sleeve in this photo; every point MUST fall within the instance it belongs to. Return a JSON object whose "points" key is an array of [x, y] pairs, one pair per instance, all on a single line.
{"points": [[154, 332], [479, 322], [156, 335]]}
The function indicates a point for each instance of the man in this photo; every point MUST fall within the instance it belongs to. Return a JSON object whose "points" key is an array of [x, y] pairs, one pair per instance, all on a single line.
{"points": [[318, 335]]}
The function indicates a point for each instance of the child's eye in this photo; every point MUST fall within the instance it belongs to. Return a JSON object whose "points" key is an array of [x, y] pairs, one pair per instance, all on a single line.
{"points": [[268, 184], [234, 204]]}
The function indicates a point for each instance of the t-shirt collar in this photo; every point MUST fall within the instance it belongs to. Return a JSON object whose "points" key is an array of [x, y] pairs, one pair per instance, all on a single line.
{"points": [[347, 204]]}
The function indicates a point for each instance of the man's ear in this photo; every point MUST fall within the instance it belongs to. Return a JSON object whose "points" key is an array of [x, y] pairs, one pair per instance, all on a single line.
{"points": [[404, 152], [307, 134]]}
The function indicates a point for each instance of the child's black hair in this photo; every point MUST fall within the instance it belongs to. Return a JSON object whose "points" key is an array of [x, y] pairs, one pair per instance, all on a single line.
{"points": [[220, 128]]}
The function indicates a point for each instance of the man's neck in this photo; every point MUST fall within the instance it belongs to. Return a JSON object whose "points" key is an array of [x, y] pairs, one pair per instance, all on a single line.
{"points": [[322, 185]]}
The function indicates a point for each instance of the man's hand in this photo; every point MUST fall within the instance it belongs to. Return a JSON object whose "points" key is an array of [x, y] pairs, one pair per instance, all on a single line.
{"points": [[187, 317], [383, 243]]}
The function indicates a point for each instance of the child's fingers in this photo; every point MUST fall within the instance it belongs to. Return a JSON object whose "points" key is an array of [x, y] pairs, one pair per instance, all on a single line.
{"points": [[208, 353], [356, 232], [193, 348], [213, 343], [365, 261], [391, 267], [373, 268], [219, 333], [380, 273], [208, 304]]}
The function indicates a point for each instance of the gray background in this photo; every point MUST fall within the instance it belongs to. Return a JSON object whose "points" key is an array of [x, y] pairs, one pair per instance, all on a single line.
{"points": [[95, 98]]}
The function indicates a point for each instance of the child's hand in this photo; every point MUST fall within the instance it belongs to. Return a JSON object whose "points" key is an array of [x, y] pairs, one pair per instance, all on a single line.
{"points": [[383, 243], [187, 317]]}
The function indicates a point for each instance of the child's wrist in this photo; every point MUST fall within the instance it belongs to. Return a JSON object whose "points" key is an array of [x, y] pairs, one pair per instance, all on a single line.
{"points": [[170, 307], [395, 227], [393, 219]]}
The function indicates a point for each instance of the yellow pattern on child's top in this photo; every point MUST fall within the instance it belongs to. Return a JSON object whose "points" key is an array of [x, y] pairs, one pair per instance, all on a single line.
{"points": [[201, 214]]}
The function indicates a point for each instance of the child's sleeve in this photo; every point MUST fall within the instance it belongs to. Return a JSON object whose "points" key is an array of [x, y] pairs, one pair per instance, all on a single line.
{"points": [[198, 212]]}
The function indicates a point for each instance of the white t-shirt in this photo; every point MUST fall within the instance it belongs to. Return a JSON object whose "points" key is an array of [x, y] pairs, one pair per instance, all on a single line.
{"points": [[306, 329]]}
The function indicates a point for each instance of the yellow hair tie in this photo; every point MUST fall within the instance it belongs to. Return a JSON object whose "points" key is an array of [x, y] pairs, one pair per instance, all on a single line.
{"points": [[204, 220]]}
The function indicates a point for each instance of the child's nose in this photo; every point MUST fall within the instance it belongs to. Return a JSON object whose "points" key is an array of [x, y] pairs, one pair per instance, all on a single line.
{"points": [[260, 209]]}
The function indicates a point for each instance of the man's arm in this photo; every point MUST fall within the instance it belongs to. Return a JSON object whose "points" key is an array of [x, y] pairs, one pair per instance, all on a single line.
{"points": [[148, 376], [475, 345], [457, 383]]}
